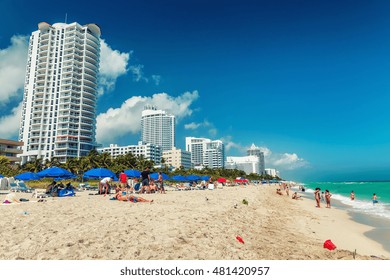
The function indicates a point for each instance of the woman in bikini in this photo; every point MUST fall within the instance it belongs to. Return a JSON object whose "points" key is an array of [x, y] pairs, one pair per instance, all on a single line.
{"points": [[131, 198]]}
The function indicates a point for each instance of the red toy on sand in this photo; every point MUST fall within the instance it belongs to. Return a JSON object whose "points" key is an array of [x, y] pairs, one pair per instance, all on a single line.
{"points": [[239, 238], [329, 245]]}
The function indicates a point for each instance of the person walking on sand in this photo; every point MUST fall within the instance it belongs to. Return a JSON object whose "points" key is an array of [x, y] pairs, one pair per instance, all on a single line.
{"points": [[352, 195], [145, 177], [327, 198], [317, 197]]}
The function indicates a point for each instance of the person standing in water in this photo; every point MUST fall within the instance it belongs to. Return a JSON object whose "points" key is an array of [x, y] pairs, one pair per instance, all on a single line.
{"points": [[374, 199], [352, 195], [327, 198]]}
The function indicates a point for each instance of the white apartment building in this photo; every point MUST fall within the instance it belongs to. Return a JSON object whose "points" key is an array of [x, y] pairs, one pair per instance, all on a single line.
{"points": [[158, 128], [206, 152], [272, 172], [147, 150], [256, 151], [59, 104], [177, 158], [248, 164]]}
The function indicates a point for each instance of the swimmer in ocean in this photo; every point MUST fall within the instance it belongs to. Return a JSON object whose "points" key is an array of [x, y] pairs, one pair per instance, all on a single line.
{"points": [[374, 199]]}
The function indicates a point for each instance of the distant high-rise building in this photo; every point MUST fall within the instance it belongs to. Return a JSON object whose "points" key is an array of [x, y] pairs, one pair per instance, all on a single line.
{"points": [[59, 104], [158, 128], [256, 151], [206, 152], [147, 150], [177, 158]]}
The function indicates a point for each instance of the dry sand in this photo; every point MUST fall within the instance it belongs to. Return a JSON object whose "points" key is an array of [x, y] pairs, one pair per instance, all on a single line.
{"points": [[199, 225]]}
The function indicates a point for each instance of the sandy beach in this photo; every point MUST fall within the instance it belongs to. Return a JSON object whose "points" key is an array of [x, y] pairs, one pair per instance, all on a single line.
{"points": [[199, 225]]}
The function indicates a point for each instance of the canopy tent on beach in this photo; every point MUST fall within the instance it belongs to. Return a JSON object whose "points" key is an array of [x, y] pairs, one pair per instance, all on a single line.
{"points": [[154, 176], [27, 176], [132, 173], [56, 172], [99, 173]]}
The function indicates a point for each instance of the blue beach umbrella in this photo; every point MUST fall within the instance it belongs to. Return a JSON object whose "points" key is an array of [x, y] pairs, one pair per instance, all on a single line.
{"points": [[132, 173], [56, 172], [193, 178], [27, 176], [179, 178], [205, 178], [98, 173], [154, 176], [1, 176]]}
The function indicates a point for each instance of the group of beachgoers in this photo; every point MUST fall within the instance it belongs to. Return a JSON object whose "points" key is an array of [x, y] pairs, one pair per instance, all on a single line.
{"points": [[286, 188], [128, 186], [325, 196]]}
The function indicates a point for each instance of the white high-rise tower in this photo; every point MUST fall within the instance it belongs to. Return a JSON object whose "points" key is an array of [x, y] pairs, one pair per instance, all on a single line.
{"points": [[158, 128], [59, 105]]}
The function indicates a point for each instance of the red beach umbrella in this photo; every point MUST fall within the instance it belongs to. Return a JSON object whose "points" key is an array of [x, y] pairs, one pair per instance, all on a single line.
{"points": [[221, 180]]}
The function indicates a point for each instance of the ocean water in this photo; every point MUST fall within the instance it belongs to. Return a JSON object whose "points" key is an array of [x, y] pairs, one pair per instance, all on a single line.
{"points": [[363, 196]]}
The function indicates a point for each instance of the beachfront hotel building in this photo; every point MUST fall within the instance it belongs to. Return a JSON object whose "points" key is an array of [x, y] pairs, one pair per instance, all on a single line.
{"points": [[272, 172], [248, 164], [256, 151], [177, 158], [158, 128], [11, 149], [147, 150], [59, 105], [206, 152]]}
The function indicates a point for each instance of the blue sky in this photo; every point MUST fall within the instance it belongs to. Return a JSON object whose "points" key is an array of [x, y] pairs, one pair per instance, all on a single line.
{"points": [[308, 81]]}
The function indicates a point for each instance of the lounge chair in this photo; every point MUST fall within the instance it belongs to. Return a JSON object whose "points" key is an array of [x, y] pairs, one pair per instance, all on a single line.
{"points": [[20, 187]]}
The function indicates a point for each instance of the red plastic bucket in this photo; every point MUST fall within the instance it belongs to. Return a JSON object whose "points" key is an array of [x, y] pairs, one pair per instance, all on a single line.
{"points": [[329, 245]]}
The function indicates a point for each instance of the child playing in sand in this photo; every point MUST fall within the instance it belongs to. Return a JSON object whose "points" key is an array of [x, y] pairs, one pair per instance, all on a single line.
{"points": [[295, 196], [279, 191], [327, 198]]}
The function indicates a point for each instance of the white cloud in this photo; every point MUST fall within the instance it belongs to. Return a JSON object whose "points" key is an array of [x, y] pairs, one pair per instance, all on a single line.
{"points": [[283, 161], [13, 62], [9, 125], [286, 161], [156, 79], [139, 75], [117, 122], [195, 125], [113, 64], [192, 125], [213, 132], [289, 161]]}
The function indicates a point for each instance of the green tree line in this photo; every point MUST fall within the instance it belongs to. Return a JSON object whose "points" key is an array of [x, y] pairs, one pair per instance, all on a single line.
{"points": [[122, 162]]}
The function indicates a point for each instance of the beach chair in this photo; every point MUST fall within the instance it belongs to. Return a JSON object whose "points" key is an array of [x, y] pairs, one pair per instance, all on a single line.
{"points": [[211, 187], [24, 188], [39, 193]]}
